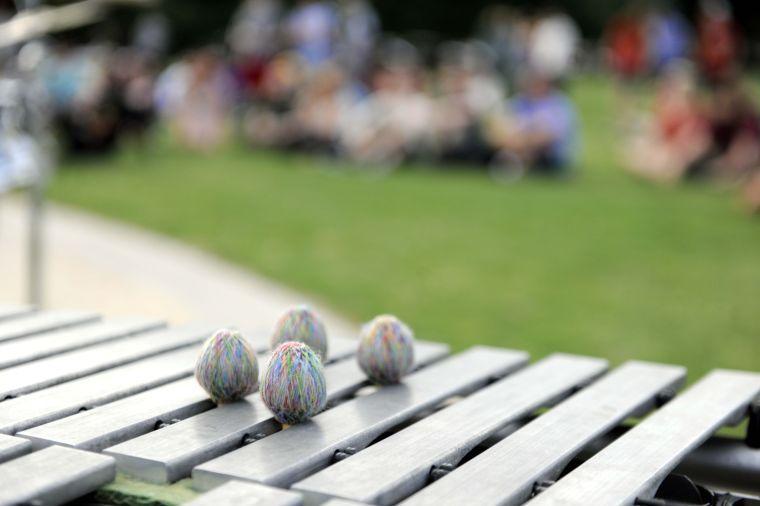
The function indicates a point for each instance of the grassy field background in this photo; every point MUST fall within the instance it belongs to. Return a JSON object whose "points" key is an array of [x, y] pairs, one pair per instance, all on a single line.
{"points": [[602, 264]]}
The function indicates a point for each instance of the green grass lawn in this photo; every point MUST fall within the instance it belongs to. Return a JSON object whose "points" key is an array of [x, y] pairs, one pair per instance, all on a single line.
{"points": [[602, 264]]}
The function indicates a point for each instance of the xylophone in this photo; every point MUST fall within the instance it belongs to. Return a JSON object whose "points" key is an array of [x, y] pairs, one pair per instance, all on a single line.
{"points": [[87, 405]]}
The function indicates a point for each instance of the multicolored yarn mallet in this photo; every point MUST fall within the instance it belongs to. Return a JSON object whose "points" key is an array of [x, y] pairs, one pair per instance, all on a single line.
{"points": [[293, 386], [301, 324], [227, 367], [386, 349]]}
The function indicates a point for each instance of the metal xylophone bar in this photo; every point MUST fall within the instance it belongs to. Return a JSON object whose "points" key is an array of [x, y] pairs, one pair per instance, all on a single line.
{"points": [[290, 455], [69, 397], [242, 493], [124, 419], [342, 502], [12, 447], [54, 475], [464, 429], [171, 453], [139, 414], [60, 368], [47, 344], [12, 311], [35, 323], [62, 397], [633, 466], [562, 432], [399, 465], [90, 391], [721, 462]]}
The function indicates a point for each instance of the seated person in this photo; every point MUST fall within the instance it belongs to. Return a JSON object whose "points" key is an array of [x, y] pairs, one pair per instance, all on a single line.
{"points": [[540, 132], [735, 134], [676, 135], [392, 123], [319, 108], [468, 93], [267, 120]]}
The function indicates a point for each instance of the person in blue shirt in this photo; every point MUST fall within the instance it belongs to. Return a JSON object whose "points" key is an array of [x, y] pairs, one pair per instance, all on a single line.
{"points": [[669, 37], [312, 27], [543, 128]]}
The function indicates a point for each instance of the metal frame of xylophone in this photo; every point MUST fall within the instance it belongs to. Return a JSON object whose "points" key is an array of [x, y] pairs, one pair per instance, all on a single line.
{"points": [[83, 398]]}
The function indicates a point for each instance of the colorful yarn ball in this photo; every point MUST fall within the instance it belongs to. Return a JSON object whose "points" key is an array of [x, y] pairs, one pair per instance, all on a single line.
{"points": [[293, 386], [301, 324], [227, 367], [386, 349]]}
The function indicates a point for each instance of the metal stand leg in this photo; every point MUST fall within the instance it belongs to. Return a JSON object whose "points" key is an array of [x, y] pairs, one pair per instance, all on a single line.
{"points": [[35, 268]]}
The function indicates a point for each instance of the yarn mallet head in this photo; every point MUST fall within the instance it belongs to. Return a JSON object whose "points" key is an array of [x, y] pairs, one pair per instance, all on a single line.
{"points": [[227, 367], [386, 349], [302, 325], [293, 386]]}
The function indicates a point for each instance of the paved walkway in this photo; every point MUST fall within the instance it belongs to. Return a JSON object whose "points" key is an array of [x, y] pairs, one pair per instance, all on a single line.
{"points": [[97, 264]]}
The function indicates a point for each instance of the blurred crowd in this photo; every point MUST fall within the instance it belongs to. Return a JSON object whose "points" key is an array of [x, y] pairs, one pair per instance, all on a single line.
{"points": [[100, 93], [321, 77], [701, 122]]}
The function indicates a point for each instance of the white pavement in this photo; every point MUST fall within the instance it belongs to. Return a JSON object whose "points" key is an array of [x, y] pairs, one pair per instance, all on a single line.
{"points": [[119, 270]]}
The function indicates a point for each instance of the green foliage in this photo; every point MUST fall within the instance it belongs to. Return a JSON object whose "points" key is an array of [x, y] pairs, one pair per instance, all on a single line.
{"points": [[602, 264]]}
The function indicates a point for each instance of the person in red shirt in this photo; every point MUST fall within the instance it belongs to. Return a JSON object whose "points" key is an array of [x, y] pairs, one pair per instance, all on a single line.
{"points": [[625, 44], [676, 135], [718, 41]]}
